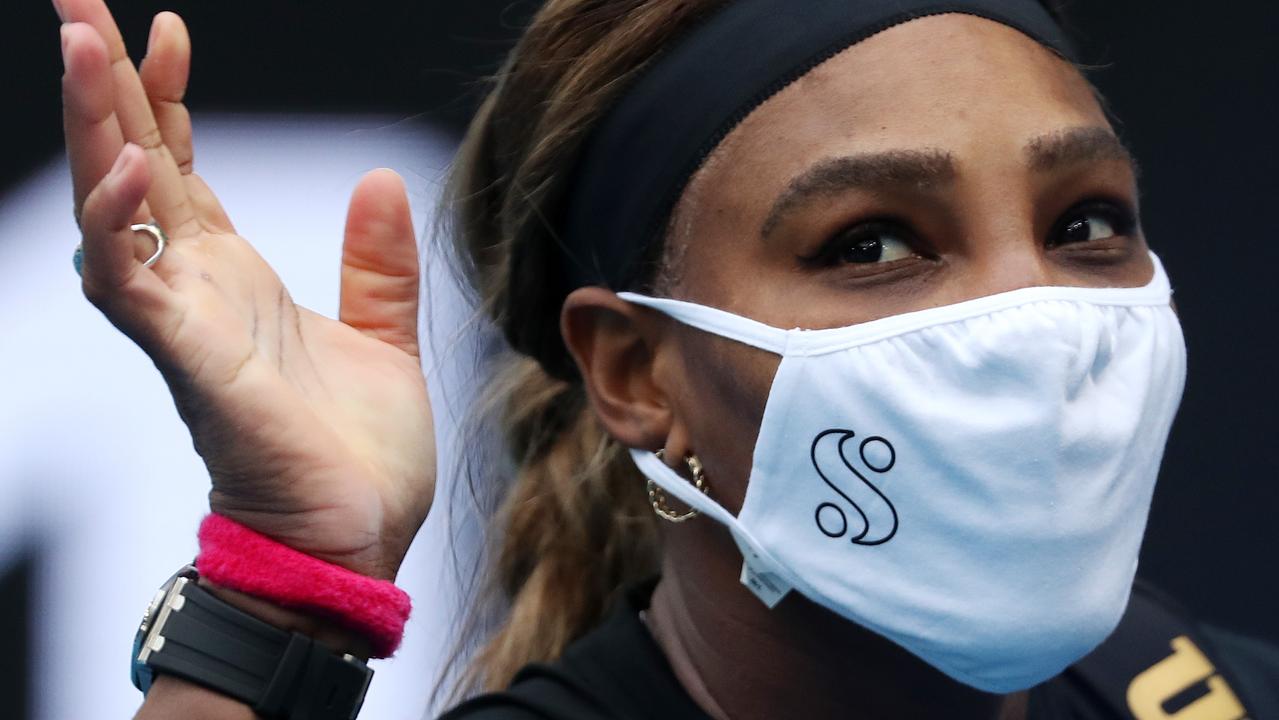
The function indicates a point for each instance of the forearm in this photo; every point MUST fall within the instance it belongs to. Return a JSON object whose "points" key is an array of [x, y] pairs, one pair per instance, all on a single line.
{"points": [[173, 698]]}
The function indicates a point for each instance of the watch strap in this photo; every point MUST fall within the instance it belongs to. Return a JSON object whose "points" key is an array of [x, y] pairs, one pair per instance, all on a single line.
{"points": [[285, 675]]}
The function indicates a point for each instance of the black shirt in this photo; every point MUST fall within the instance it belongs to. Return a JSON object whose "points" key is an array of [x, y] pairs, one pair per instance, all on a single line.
{"points": [[1157, 663]]}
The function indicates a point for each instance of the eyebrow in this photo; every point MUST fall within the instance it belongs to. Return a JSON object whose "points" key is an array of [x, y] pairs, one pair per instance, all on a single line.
{"points": [[1078, 146], [924, 170], [919, 169]]}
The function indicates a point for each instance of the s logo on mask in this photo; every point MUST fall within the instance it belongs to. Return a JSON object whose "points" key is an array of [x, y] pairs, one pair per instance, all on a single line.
{"points": [[873, 520]]}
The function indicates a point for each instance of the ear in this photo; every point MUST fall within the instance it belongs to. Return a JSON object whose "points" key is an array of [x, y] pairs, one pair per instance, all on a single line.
{"points": [[617, 347]]}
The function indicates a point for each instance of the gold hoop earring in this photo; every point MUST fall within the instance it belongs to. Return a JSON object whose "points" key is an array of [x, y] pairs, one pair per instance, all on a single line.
{"points": [[658, 498]]}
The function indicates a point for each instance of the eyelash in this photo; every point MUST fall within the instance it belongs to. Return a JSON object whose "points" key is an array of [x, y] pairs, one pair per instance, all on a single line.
{"points": [[829, 253], [1122, 219]]}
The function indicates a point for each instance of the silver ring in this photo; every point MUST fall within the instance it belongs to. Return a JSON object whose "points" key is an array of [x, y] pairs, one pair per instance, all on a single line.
{"points": [[156, 234], [161, 241]]}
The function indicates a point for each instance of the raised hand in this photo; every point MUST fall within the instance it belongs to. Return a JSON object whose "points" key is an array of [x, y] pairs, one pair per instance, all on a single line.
{"points": [[316, 432]]}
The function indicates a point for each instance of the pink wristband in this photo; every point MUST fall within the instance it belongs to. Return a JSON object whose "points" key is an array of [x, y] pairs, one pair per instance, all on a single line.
{"points": [[235, 557]]}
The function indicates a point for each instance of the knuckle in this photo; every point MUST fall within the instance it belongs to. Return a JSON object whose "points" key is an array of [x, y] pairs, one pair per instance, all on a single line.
{"points": [[105, 287], [93, 292], [97, 292], [185, 162], [165, 97], [176, 217], [151, 139]]}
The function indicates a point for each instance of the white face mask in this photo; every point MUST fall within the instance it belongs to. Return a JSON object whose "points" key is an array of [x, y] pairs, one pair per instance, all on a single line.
{"points": [[971, 482]]}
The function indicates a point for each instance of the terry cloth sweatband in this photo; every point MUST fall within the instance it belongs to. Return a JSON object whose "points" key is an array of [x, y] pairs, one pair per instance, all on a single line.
{"points": [[637, 161], [235, 557]]}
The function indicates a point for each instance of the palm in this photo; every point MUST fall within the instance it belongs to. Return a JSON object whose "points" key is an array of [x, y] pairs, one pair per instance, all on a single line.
{"points": [[315, 431], [336, 420]]}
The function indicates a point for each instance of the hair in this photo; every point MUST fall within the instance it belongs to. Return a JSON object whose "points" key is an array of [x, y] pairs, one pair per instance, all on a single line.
{"points": [[574, 526]]}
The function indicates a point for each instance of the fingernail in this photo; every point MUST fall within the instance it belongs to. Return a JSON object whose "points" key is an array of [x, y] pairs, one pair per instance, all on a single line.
{"points": [[62, 31]]}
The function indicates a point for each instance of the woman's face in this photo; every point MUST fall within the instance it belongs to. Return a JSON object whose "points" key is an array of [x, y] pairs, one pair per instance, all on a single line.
{"points": [[948, 158]]}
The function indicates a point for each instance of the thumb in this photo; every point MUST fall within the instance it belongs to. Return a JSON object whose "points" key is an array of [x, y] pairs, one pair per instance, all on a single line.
{"points": [[380, 271]]}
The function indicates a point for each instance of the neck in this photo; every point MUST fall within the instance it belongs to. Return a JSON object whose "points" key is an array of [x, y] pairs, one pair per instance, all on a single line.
{"points": [[741, 661]]}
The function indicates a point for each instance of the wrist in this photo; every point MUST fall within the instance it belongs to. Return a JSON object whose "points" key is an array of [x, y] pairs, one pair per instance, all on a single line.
{"points": [[320, 595], [327, 631], [277, 662], [171, 697], [344, 541]]}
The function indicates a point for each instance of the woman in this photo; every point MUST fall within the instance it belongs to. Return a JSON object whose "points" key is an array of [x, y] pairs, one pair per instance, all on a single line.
{"points": [[934, 492]]}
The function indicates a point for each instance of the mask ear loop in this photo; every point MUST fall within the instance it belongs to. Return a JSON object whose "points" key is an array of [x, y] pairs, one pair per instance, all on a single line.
{"points": [[658, 498], [760, 572], [716, 322]]}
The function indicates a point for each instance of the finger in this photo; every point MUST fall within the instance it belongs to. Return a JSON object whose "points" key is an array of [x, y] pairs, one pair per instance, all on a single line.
{"points": [[164, 72], [380, 271], [166, 198], [93, 135], [114, 278]]}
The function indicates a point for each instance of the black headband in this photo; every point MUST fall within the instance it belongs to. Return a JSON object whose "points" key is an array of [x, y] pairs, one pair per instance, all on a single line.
{"points": [[636, 163]]}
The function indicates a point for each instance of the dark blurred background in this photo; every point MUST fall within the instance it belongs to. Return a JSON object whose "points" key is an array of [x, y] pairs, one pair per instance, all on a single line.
{"points": [[1194, 88]]}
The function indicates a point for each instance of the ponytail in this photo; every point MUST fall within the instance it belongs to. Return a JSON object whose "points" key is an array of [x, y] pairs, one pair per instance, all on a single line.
{"points": [[577, 525], [574, 526]]}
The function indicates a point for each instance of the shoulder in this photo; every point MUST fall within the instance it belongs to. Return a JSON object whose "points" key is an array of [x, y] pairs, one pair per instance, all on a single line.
{"points": [[1254, 666], [615, 672], [1160, 656], [538, 692]]}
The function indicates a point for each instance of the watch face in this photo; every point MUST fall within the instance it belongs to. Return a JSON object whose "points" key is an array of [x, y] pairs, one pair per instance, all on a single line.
{"points": [[156, 601]]}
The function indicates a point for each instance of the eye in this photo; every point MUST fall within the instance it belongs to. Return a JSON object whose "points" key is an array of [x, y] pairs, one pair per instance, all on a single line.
{"points": [[1093, 222], [865, 244]]}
